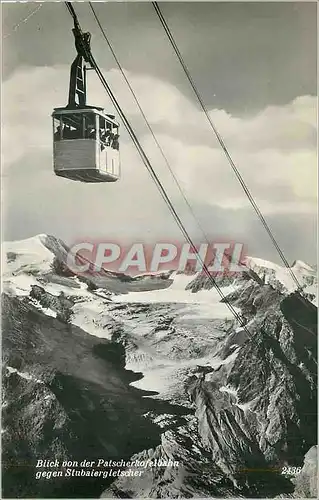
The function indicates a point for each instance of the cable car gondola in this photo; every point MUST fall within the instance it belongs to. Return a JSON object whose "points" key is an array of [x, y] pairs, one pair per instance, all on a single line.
{"points": [[85, 138]]}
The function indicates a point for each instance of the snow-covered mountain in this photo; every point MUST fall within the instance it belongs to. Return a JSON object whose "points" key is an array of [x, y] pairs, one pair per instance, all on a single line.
{"points": [[284, 279], [44, 257], [157, 367], [274, 274]]}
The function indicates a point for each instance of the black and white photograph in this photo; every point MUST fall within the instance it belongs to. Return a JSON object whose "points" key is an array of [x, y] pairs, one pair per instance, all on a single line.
{"points": [[159, 284]]}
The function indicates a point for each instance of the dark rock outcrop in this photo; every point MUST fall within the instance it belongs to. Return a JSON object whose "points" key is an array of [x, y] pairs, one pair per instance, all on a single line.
{"points": [[66, 397]]}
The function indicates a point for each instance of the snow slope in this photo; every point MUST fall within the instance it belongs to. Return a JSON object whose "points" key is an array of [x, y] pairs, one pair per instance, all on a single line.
{"points": [[208, 301], [27, 255]]}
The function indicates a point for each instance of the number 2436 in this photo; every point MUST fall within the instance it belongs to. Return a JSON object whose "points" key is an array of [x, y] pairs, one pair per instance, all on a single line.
{"points": [[291, 471]]}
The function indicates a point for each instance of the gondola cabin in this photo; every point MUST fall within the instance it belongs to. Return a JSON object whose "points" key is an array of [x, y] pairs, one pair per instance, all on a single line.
{"points": [[85, 144]]}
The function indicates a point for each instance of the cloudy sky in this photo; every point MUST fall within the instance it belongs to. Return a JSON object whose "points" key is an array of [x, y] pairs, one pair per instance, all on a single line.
{"points": [[255, 66]]}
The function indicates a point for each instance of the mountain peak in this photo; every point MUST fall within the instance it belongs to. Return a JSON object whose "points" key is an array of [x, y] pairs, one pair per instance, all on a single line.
{"points": [[302, 266], [31, 254]]}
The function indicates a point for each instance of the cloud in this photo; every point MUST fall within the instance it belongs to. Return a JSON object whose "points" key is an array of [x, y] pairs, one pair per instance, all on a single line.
{"points": [[275, 150]]}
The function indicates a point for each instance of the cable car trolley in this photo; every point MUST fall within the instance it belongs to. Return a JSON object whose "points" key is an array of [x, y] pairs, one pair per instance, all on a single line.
{"points": [[85, 138]]}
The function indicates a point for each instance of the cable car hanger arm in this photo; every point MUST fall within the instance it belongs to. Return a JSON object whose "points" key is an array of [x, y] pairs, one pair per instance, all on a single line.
{"points": [[77, 87], [82, 40]]}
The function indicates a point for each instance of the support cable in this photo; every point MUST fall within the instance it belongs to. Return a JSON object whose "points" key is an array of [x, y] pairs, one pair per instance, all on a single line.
{"points": [[222, 144]]}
